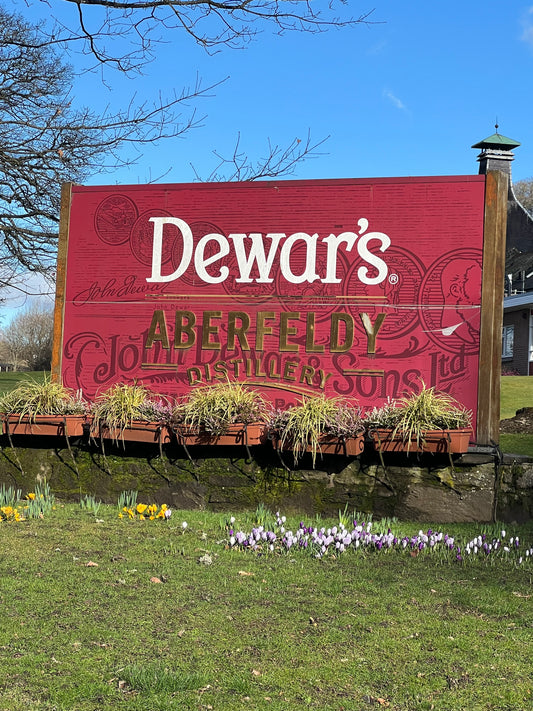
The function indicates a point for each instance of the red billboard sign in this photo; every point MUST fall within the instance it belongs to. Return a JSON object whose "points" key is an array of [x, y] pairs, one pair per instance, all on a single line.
{"points": [[360, 288]]}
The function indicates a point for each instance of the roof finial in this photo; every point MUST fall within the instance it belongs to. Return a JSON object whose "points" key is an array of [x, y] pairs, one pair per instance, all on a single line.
{"points": [[496, 125]]}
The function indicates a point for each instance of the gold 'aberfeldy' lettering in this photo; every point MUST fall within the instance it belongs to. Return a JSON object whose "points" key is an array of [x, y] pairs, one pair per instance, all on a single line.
{"points": [[371, 330], [238, 332], [335, 344], [285, 331], [184, 328], [208, 328], [158, 330], [288, 334]]}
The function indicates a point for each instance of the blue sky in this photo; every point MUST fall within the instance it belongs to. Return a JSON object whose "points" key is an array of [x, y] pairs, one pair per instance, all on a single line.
{"points": [[407, 94]]}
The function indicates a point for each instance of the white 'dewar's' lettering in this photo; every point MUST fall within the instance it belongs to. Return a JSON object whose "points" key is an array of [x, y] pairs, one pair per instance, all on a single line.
{"points": [[255, 249]]}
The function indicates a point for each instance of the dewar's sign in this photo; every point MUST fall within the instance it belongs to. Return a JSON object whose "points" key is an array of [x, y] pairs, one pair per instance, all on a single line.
{"points": [[253, 253], [359, 288]]}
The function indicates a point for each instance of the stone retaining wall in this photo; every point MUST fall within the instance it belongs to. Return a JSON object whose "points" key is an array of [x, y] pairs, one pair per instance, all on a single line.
{"points": [[427, 488]]}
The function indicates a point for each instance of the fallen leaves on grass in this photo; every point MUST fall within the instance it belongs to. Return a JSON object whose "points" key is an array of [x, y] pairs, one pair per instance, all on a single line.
{"points": [[159, 579]]}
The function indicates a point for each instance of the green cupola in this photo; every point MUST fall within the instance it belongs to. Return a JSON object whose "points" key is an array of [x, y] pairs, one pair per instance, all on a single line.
{"points": [[496, 153]]}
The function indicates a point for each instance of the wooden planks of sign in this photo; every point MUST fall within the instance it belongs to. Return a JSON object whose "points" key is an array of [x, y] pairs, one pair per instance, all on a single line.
{"points": [[351, 287]]}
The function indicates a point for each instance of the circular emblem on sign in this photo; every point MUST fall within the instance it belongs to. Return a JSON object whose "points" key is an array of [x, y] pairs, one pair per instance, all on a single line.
{"points": [[396, 295], [316, 296], [142, 238], [451, 295], [250, 292], [199, 229], [114, 218]]}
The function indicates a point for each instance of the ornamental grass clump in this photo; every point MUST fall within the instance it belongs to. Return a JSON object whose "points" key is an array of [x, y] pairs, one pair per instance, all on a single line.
{"points": [[121, 405], [302, 426], [32, 398], [215, 408], [411, 416]]}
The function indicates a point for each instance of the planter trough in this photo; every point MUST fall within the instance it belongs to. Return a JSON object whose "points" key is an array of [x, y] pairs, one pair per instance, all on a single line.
{"points": [[434, 441], [44, 425], [237, 434], [137, 431], [330, 444]]}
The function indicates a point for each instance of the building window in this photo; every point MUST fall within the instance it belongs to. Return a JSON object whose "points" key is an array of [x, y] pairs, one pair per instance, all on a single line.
{"points": [[507, 341]]}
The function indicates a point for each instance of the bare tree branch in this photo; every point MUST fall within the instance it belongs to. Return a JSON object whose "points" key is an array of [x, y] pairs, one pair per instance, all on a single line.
{"points": [[28, 338], [97, 24], [278, 161], [44, 141], [523, 191]]}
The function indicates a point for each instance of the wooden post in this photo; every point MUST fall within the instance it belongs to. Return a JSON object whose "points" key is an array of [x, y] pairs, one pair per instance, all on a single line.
{"points": [[61, 279], [490, 345]]}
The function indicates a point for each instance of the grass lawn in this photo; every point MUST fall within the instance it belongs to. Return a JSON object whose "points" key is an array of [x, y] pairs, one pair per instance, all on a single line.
{"points": [[102, 614], [517, 444], [9, 380], [516, 392]]}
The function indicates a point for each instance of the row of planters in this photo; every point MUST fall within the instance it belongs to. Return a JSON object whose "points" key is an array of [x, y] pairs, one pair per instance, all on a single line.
{"points": [[230, 413]]}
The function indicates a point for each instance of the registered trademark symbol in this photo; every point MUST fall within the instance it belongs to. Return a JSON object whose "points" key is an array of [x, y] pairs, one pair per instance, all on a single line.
{"points": [[393, 279]]}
